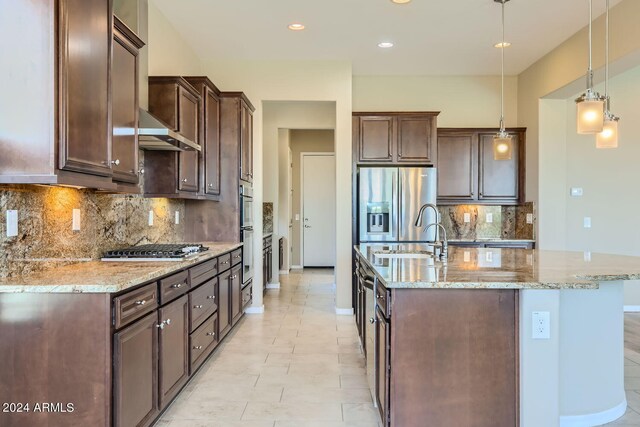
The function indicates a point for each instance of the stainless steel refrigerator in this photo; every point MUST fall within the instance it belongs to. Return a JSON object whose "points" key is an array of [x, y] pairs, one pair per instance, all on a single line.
{"points": [[389, 201]]}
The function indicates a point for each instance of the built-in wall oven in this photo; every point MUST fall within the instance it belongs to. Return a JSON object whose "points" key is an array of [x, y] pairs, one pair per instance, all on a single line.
{"points": [[246, 232]]}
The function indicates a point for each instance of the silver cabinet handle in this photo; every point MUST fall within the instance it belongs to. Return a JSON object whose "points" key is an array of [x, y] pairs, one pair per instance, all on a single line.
{"points": [[372, 320], [237, 257], [211, 334], [141, 302], [210, 185], [380, 296], [160, 325], [168, 322], [224, 262], [307, 226], [198, 306], [115, 162], [211, 297], [177, 285], [197, 347], [185, 180], [141, 171]]}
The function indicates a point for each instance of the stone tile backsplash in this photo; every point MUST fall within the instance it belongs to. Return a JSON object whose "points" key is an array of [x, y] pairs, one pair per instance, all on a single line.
{"points": [[508, 222], [267, 217], [108, 221]]}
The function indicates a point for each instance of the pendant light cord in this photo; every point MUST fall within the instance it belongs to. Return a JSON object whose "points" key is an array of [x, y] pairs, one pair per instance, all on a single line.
{"points": [[590, 71], [606, 57], [502, 75]]}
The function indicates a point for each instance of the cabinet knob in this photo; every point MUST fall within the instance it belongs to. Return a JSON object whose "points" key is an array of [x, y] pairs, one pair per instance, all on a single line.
{"points": [[141, 302], [167, 322], [198, 306], [380, 296], [211, 297], [210, 185], [160, 325], [115, 162], [197, 347], [185, 180], [177, 285], [211, 334], [372, 320], [141, 171]]}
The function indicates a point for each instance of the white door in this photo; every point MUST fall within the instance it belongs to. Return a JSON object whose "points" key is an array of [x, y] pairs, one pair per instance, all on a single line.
{"points": [[318, 210]]}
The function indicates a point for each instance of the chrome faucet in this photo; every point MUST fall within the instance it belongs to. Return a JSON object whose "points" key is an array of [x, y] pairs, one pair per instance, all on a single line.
{"points": [[421, 212], [444, 249]]}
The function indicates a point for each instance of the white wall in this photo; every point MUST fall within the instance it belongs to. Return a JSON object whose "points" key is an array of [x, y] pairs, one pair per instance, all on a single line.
{"points": [[465, 101], [264, 81]]}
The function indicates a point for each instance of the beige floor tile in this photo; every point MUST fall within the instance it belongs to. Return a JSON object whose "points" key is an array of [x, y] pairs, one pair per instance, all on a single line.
{"points": [[324, 380], [630, 418], [201, 407], [325, 424], [232, 393], [360, 412], [293, 411], [354, 381], [215, 423], [326, 395]]}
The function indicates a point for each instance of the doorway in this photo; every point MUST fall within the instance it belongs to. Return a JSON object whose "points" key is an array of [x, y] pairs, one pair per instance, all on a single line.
{"points": [[318, 209]]}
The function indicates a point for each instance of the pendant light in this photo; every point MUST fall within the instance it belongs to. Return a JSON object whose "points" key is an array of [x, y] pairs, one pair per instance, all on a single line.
{"points": [[590, 106], [608, 138], [502, 141]]}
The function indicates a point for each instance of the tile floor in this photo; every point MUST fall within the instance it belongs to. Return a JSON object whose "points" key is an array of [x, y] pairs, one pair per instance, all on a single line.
{"points": [[296, 365]]}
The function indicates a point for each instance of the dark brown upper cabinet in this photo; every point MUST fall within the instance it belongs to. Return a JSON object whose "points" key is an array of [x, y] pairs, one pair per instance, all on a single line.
{"points": [[169, 173], [468, 173], [395, 138], [124, 96], [55, 123], [237, 130], [209, 125]]}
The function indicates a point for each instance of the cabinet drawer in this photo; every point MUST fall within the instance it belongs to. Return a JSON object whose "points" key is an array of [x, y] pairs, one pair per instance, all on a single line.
{"points": [[236, 257], [247, 295], [224, 262], [384, 298], [203, 341], [135, 304], [202, 303], [173, 286], [203, 272]]}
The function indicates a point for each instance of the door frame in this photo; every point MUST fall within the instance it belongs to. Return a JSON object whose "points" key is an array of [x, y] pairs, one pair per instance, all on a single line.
{"points": [[301, 225]]}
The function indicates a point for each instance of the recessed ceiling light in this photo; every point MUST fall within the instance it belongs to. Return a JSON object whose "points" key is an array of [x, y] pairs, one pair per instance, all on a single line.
{"points": [[296, 27], [401, 1], [501, 45], [385, 45]]}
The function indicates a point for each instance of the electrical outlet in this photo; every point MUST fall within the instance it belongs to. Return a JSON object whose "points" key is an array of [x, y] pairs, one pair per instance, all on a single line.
{"points": [[297, 217], [489, 218], [587, 222], [177, 217], [467, 256], [529, 259], [12, 223], [541, 325], [488, 256], [587, 256], [576, 192], [75, 220], [467, 217], [150, 218], [529, 218]]}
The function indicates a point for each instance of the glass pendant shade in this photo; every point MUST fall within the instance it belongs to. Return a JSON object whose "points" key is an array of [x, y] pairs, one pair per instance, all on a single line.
{"points": [[590, 115], [502, 146], [608, 138]]}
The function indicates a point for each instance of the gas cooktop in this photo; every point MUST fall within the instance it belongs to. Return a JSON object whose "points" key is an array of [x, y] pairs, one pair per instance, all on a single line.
{"points": [[156, 252]]}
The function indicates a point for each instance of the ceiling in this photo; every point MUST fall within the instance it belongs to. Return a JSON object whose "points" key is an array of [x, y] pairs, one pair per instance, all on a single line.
{"points": [[446, 37]]}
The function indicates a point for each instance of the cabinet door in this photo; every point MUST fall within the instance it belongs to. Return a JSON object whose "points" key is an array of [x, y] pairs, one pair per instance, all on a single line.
{"points": [[174, 348], [246, 144], [498, 180], [135, 375], [224, 303], [416, 140], [376, 139], [236, 294], [211, 143], [457, 170], [188, 126], [383, 367], [265, 273], [83, 86], [124, 95]]}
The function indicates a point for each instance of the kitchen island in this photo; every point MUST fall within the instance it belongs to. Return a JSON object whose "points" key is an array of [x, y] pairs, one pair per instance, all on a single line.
{"points": [[454, 341]]}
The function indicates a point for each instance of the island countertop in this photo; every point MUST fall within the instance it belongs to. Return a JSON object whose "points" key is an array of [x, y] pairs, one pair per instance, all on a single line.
{"points": [[496, 268], [105, 277]]}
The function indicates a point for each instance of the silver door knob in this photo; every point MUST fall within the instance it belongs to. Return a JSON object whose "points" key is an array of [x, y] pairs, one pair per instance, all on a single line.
{"points": [[141, 171], [160, 325], [177, 286], [116, 162]]}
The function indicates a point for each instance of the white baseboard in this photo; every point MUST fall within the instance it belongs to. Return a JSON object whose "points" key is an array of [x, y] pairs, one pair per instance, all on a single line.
{"points": [[596, 419], [273, 285], [344, 311], [284, 272], [296, 267], [254, 310], [632, 308]]}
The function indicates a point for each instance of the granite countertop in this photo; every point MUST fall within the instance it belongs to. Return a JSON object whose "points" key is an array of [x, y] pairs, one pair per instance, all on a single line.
{"points": [[492, 268], [491, 240], [104, 277]]}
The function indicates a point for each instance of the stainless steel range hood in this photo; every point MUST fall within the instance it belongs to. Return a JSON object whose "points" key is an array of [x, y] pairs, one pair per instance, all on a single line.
{"points": [[154, 135]]}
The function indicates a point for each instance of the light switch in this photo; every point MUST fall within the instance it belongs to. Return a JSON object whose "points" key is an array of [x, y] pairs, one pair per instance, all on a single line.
{"points": [[75, 221], [489, 218], [587, 222], [467, 217], [541, 325], [529, 218], [177, 217], [12, 223], [150, 218], [576, 192]]}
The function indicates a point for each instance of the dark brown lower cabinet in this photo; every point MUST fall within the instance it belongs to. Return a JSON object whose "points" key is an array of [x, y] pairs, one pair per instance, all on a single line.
{"points": [[236, 293], [174, 348], [135, 352], [383, 347], [224, 303]]}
